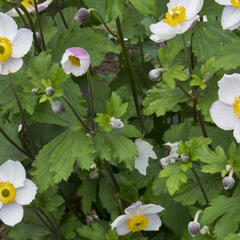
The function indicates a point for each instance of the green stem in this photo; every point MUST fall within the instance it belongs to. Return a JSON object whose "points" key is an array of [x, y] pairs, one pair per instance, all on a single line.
{"points": [[131, 74], [61, 14], [90, 89], [39, 25], [21, 17]]}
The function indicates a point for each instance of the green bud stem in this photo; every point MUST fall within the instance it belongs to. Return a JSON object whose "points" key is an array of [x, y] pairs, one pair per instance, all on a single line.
{"points": [[197, 215]]}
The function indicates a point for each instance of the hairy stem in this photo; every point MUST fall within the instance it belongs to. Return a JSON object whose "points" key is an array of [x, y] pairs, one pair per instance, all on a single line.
{"points": [[90, 89], [110, 172]]}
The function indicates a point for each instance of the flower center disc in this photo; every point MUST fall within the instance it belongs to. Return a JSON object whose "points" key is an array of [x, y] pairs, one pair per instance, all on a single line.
{"points": [[138, 223], [74, 61], [28, 4], [7, 192], [235, 3], [178, 15], [5, 49]]}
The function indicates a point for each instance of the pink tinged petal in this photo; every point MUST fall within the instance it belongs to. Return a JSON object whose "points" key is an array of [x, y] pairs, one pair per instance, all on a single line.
{"points": [[8, 27], [22, 43], [42, 6], [78, 52], [230, 18], [149, 209], [67, 67], [12, 65], [11, 214], [236, 132], [119, 220], [229, 88], [132, 209], [154, 223], [187, 25], [224, 2], [78, 71], [13, 172], [26, 194], [223, 115]]}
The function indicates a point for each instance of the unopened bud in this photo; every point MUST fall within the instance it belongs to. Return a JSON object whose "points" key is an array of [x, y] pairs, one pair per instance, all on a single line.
{"points": [[82, 15], [193, 228], [93, 174], [58, 107], [164, 162], [116, 123], [228, 167], [204, 230], [154, 74], [184, 157], [49, 91], [228, 183]]}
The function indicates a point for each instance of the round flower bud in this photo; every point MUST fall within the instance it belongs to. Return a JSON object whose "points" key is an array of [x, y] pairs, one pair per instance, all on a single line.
{"points": [[154, 74], [49, 91], [184, 157], [93, 166], [164, 161], [116, 123], [204, 230], [193, 228], [228, 167], [58, 107], [228, 183], [93, 174], [82, 15]]}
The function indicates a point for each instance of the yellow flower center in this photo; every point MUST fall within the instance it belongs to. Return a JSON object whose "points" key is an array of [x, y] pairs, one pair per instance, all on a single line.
{"points": [[235, 3], [236, 106], [178, 15], [138, 223], [28, 4], [74, 61], [5, 49], [7, 192]]}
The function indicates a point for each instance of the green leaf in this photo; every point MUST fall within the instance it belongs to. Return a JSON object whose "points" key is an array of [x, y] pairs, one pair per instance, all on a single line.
{"points": [[112, 235], [113, 8], [161, 99], [103, 120], [146, 7], [95, 231]]}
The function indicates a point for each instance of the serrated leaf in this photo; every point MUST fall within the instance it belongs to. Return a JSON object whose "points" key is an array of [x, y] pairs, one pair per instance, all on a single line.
{"points": [[95, 231], [146, 7], [113, 8]]}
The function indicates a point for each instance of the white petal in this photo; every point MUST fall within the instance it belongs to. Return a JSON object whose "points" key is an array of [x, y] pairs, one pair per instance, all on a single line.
{"points": [[42, 6], [13, 172], [122, 229], [236, 132], [132, 209], [193, 8], [149, 209], [229, 88], [12, 65], [8, 27], [224, 2], [119, 220], [13, 12], [22, 43], [162, 32], [1, 204], [187, 25], [154, 223], [79, 71], [145, 151], [223, 115], [26, 194], [11, 214], [230, 18]]}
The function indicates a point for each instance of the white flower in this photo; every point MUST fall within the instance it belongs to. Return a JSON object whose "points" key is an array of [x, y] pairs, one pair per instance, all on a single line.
{"points": [[231, 14], [138, 217], [116, 123], [15, 190], [145, 151], [29, 5], [226, 111], [76, 61], [14, 44], [181, 16], [172, 156]]}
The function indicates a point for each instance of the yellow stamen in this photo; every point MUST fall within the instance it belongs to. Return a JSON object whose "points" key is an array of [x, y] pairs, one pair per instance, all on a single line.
{"points": [[7, 192], [5, 49], [235, 3], [74, 61], [178, 15], [138, 223], [28, 4], [236, 106]]}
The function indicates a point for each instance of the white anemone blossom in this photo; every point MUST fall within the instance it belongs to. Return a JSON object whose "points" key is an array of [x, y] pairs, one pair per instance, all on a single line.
{"points": [[145, 151], [14, 44], [181, 17], [15, 190], [226, 111], [75, 60], [138, 218], [172, 156], [29, 5], [231, 14]]}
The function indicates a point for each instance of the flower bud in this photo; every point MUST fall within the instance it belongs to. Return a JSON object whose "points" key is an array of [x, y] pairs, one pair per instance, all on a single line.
{"points": [[116, 123], [228, 183], [228, 167], [193, 228], [154, 74], [93, 174], [58, 107], [204, 230], [50, 91], [82, 15], [184, 157], [164, 161], [34, 90], [93, 166]]}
